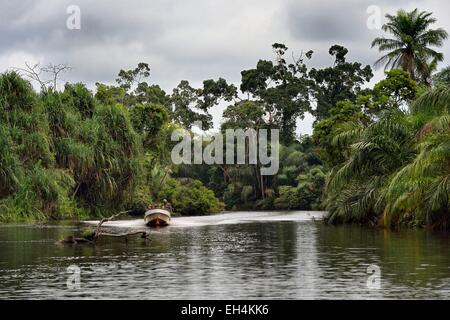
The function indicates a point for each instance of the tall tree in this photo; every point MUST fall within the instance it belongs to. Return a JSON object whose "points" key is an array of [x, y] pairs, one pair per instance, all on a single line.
{"points": [[189, 104], [342, 81], [410, 47], [282, 88]]}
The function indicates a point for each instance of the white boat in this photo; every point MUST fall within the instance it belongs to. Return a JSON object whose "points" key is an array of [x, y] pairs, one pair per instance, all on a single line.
{"points": [[157, 217]]}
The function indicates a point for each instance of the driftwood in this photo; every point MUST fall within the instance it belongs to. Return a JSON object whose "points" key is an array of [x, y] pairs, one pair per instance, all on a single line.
{"points": [[98, 229], [98, 233]]}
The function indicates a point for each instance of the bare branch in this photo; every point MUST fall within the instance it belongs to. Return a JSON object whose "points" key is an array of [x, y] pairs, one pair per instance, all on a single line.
{"points": [[55, 70], [36, 73], [97, 230]]}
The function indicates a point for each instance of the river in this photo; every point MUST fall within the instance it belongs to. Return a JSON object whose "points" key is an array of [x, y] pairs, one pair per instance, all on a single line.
{"points": [[242, 255]]}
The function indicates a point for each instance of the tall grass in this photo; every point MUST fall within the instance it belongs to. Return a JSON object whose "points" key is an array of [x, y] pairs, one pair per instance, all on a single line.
{"points": [[62, 155]]}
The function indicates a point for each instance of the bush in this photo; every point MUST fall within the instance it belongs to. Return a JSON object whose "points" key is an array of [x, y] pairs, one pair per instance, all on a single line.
{"points": [[190, 198], [306, 195]]}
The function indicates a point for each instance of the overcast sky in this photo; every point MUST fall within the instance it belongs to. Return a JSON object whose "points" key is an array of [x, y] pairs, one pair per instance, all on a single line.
{"points": [[190, 39]]}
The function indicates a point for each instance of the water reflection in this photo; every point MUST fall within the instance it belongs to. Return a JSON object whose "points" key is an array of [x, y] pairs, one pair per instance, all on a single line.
{"points": [[274, 256], [413, 263]]}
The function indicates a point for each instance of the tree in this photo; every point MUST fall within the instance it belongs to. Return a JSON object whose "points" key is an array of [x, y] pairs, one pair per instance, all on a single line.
{"points": [[190, 197], [410, 48], [391, 94], [133, 89], [189, 104], [442, 78], [185, 106], [47, 77], [31, 187], [397, 90], [282, 88], [109, 94], [342, 81], [422, 188], [345, 114], [244, 115], [355, 189], [306, 195], [247, 178], [146, 93], [147, 120], [81, 99], [128, 78]]}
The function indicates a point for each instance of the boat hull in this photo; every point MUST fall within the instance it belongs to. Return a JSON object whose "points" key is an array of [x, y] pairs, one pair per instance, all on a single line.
{"points": [[157, 218]]}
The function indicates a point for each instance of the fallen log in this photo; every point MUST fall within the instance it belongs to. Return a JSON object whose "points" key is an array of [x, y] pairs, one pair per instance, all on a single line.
{"points": [[92, 238], [98, 232]]}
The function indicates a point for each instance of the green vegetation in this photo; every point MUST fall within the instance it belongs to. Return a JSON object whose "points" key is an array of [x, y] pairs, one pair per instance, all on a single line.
{"points": [[69, 155], [397, 168], [378, 155], [394, 164]]}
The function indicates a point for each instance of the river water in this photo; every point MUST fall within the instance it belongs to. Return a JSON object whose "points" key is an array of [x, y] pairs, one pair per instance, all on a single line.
{"points": [[242, 255]]}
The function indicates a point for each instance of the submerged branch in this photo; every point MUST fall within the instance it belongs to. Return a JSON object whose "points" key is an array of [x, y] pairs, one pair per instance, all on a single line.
{"points": [[92, 238], [98, 232]]}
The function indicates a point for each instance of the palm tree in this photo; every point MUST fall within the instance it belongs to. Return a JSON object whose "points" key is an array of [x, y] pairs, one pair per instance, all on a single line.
{"points": [[355, 188], [409, 49], [423, 186], [442, 78]]}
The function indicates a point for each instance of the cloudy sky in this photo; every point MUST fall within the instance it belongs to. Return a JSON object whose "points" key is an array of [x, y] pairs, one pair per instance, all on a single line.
{"points": [[189, 39]]}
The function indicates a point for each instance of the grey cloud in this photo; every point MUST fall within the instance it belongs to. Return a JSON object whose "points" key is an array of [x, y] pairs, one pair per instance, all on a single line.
{"points": [[327, 20], [192, 39]]}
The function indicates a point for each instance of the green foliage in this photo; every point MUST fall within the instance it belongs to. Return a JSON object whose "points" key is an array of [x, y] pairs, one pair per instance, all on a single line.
{"points": [[433, 102], [341, 82], [109, 94], [71, 154], [244, 115], [345, 115], [242, 186], [282, 89], [148, 119], [81, 99], [29, 185], [398, 169], [64, 155], [127, 78], [346, 120], [442, 78], [393, 92], [146, 93], [377, 152], [307, 195], [190, 197], [189, 104]]}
